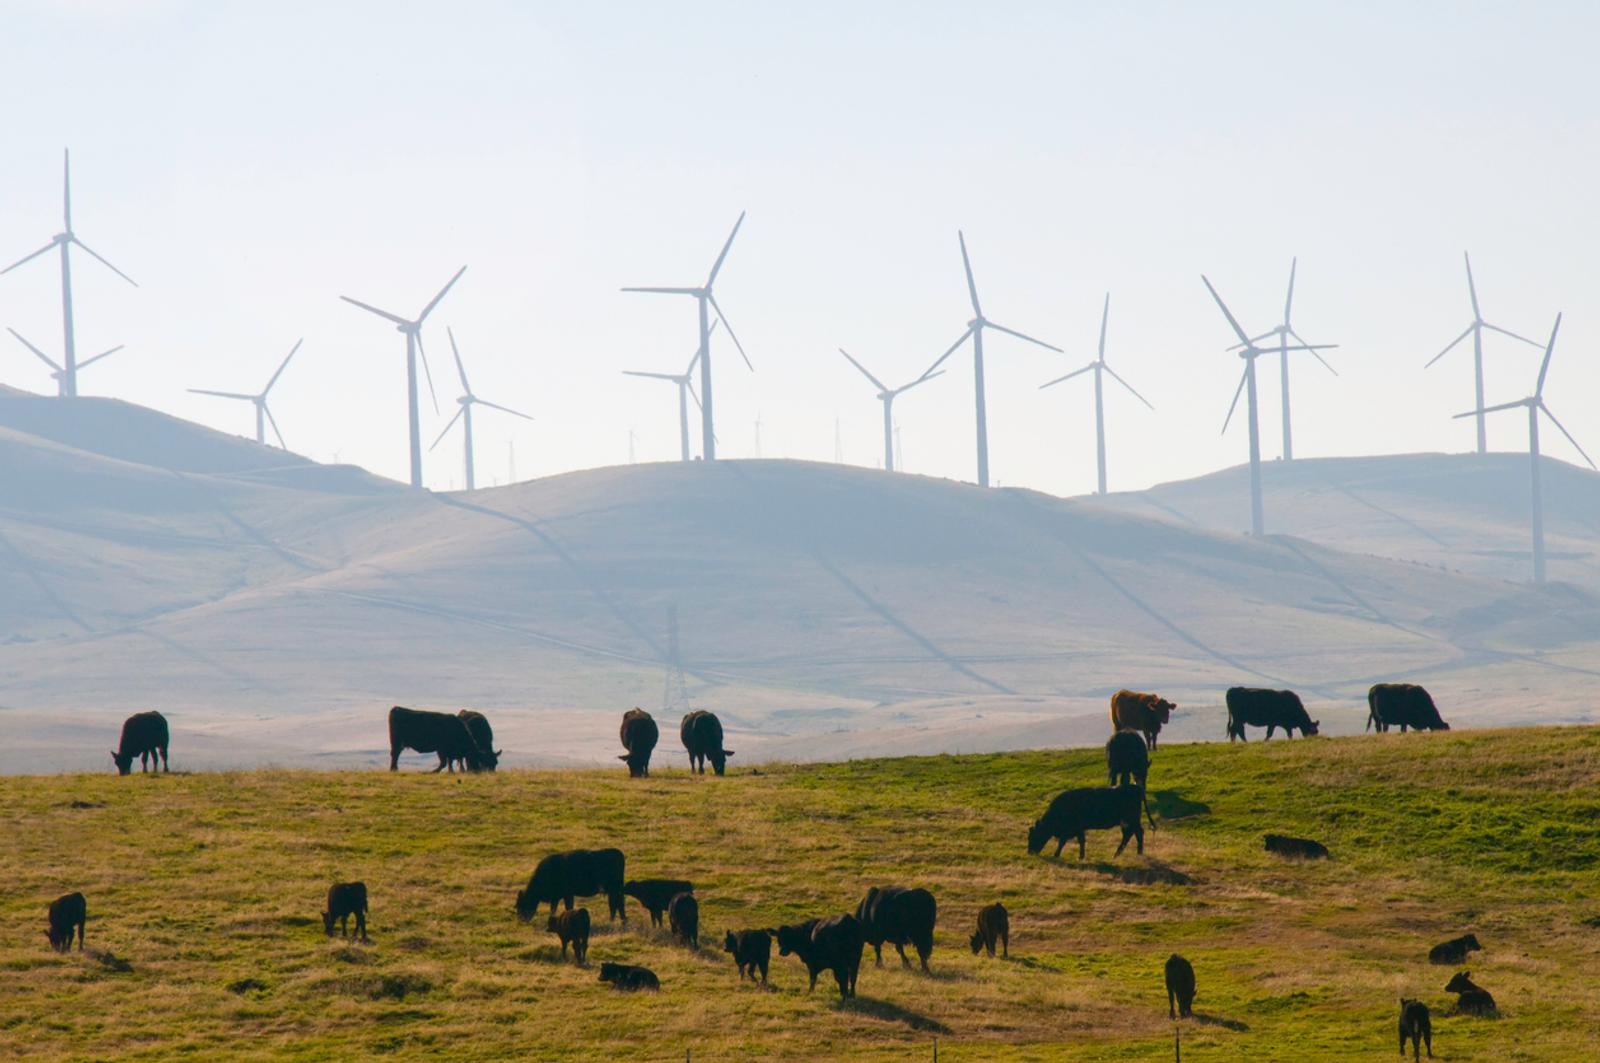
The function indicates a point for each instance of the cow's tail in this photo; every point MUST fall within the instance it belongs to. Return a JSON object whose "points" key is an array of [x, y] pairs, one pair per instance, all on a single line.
{"points": [[1144, 799], [1372, 709]]}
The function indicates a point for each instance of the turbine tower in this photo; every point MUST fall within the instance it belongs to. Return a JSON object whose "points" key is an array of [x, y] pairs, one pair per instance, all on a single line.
{"points": [[887, 395], [1099, 366], [467, 401], [1283, 332], [412, 330], [707, 301], [1535, 406], [1247, 382], [263, 414], [1475, 330], [57, 371], [975, 329], [685, 382], [66, 374]]}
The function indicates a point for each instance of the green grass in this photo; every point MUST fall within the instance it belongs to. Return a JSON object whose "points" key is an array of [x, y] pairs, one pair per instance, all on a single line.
{"points": [[205, 889]]}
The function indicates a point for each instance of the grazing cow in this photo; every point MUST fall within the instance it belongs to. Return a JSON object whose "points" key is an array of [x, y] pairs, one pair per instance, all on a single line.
{"points": [[572, 927], [683, 919], [344, 900], [1145, 713], [656, 894], [701, 732], [1180, 987], [144, 735], [560, 877], [1267, 708], [831, 944], [639, 737], [1076, 812], [1405, 705], [1454, 951], [1417, 1024], [1304, 848], [1473, 998], [482, 737], [993, 925], [627, 976], [67, 913], [752, 951], [432, 732], [899, 917]]}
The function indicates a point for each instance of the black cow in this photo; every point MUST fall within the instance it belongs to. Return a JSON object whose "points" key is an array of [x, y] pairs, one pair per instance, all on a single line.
{"points": [[1454, 951], [656, 894], [752, 951], [639, 737], [898, 916], [1180, 987], [344, 900], [1403, 704], [572, 927], [1076, 812], [67, 913], [432, 732], [580, 873], [482, 737], [1267, 708], [1304, 848], [1417, 1024], [701, 732], [683, 919], [1473, 999], [993, 925], [627, 976], [144, 735], [1128, 761], [831, 944]]}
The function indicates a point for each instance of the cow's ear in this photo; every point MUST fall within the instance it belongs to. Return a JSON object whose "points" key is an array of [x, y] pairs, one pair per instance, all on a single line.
{"points": [[727, 752], [623, 756]]}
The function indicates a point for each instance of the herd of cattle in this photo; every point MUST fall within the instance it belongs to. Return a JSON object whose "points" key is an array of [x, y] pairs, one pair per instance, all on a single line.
{"points": [[894, 915]]}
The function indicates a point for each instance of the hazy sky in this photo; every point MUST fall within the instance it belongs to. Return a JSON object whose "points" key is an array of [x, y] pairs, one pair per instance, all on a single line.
{"points": [[248, 163]]}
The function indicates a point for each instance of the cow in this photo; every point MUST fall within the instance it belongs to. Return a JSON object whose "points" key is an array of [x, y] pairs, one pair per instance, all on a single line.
{"points": [[831, 944], [1405, 704], [701, 732], [560, 877], [1076, 812], [1304, 848], [572, 927], [751, 950], [656, 894], [1145, 713], [627, 976], [1128, 761], [898, 916], [993, 925], [1454, 951], [144, 735], [432, 732], [1417, 1024], [67, 913], [683, 919], [639, 736], [483, 737], [1267, 708], [1472, 999], [344, 900], [1180, 987]]}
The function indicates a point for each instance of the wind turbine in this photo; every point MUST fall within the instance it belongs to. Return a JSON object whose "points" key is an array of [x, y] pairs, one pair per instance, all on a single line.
{"points": [[67, 374], [887, 395], [1250, 352], [1099, 366], [412, 330], [685, 382], [262, 413], [707, 301], [57, 371], [1283, 332], [1535, 406], [467, 401], [975, 329], [1475, 330]]}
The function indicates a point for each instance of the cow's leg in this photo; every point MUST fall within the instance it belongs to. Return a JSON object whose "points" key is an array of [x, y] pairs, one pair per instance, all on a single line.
{"points": [[901, 949], [81, 923], [1126, 834], [812, 987], [1083, 839], [164, 765], [842, 976], [1427, 1036], [878, 948], [1061, 845], [442, 762], [1005, 944], [1172, 1012], [361, 923], [394, 758]]}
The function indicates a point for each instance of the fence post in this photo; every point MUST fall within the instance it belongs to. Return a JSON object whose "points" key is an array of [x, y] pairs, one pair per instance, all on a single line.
{"points": [[936, 1050], [1177, 1046]]}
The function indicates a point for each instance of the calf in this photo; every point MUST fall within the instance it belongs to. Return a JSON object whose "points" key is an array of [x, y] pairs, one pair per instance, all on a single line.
{"points": [[701, 733], [482, 737], [67, 913], [1454, 951], [899, 917], [573, 929], [831, 944], [344, 900], [1180, 987], [1144, 713], [656, 894], [432, 732], [1076, 812], [751, 949], [683, 919], [1472, 999], [639, 735], [144, 735], [993, 925], [1403, 704], [1304, 848], [627, 976], [1416, 1024], [1267, 708], [560, 877]]}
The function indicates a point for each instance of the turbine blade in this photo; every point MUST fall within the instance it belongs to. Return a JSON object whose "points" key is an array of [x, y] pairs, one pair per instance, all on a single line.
{"points": [[1243, 339], [1129, 386], [502, 409], [1105, 312], [731, 335], [45, 358], [96, 256], [1235, 403], [966, 264], [28, 258], [221, 394], [697, 405], [1313, 350], [397, 319], [1024, 336], [273, 421], [1472, 287], [652, 376], [66, 189], [461, 370], [1546, 410], [665, 291], [875, 381], [449, 425], [920, 380], [1288, 300], [717, 265], [953, 348], [422, 353], [1544, 367], [1069, 376], [1464, 334], [1518, 404], [1513, 335], [284, 365], [103, 354], [442, 291]]}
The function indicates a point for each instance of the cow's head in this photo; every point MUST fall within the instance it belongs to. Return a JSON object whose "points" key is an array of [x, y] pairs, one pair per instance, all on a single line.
{"points": [[977, 944], [1311, 728], [730, 943], [526, 906], [327, 923], [1163, 709], [1038, 834], [791, 938], [610, 972], [1470, 942], [1441, 726], [552, 924], [487, 760], [124, 762], [1461, 983], [719, 759]]}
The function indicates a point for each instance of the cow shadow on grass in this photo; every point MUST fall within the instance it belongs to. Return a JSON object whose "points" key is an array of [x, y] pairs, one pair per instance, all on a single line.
{"points": [[1216, 1020], [1154, 873], [1170, 804], [549, 954], [891, 1012]]}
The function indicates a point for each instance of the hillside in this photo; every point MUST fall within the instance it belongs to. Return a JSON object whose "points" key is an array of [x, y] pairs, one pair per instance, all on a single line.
{"points": [[203, 893]]}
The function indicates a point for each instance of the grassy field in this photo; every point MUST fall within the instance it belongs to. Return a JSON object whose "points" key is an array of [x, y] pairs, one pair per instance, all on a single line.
{"points": [[204, 941]]}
